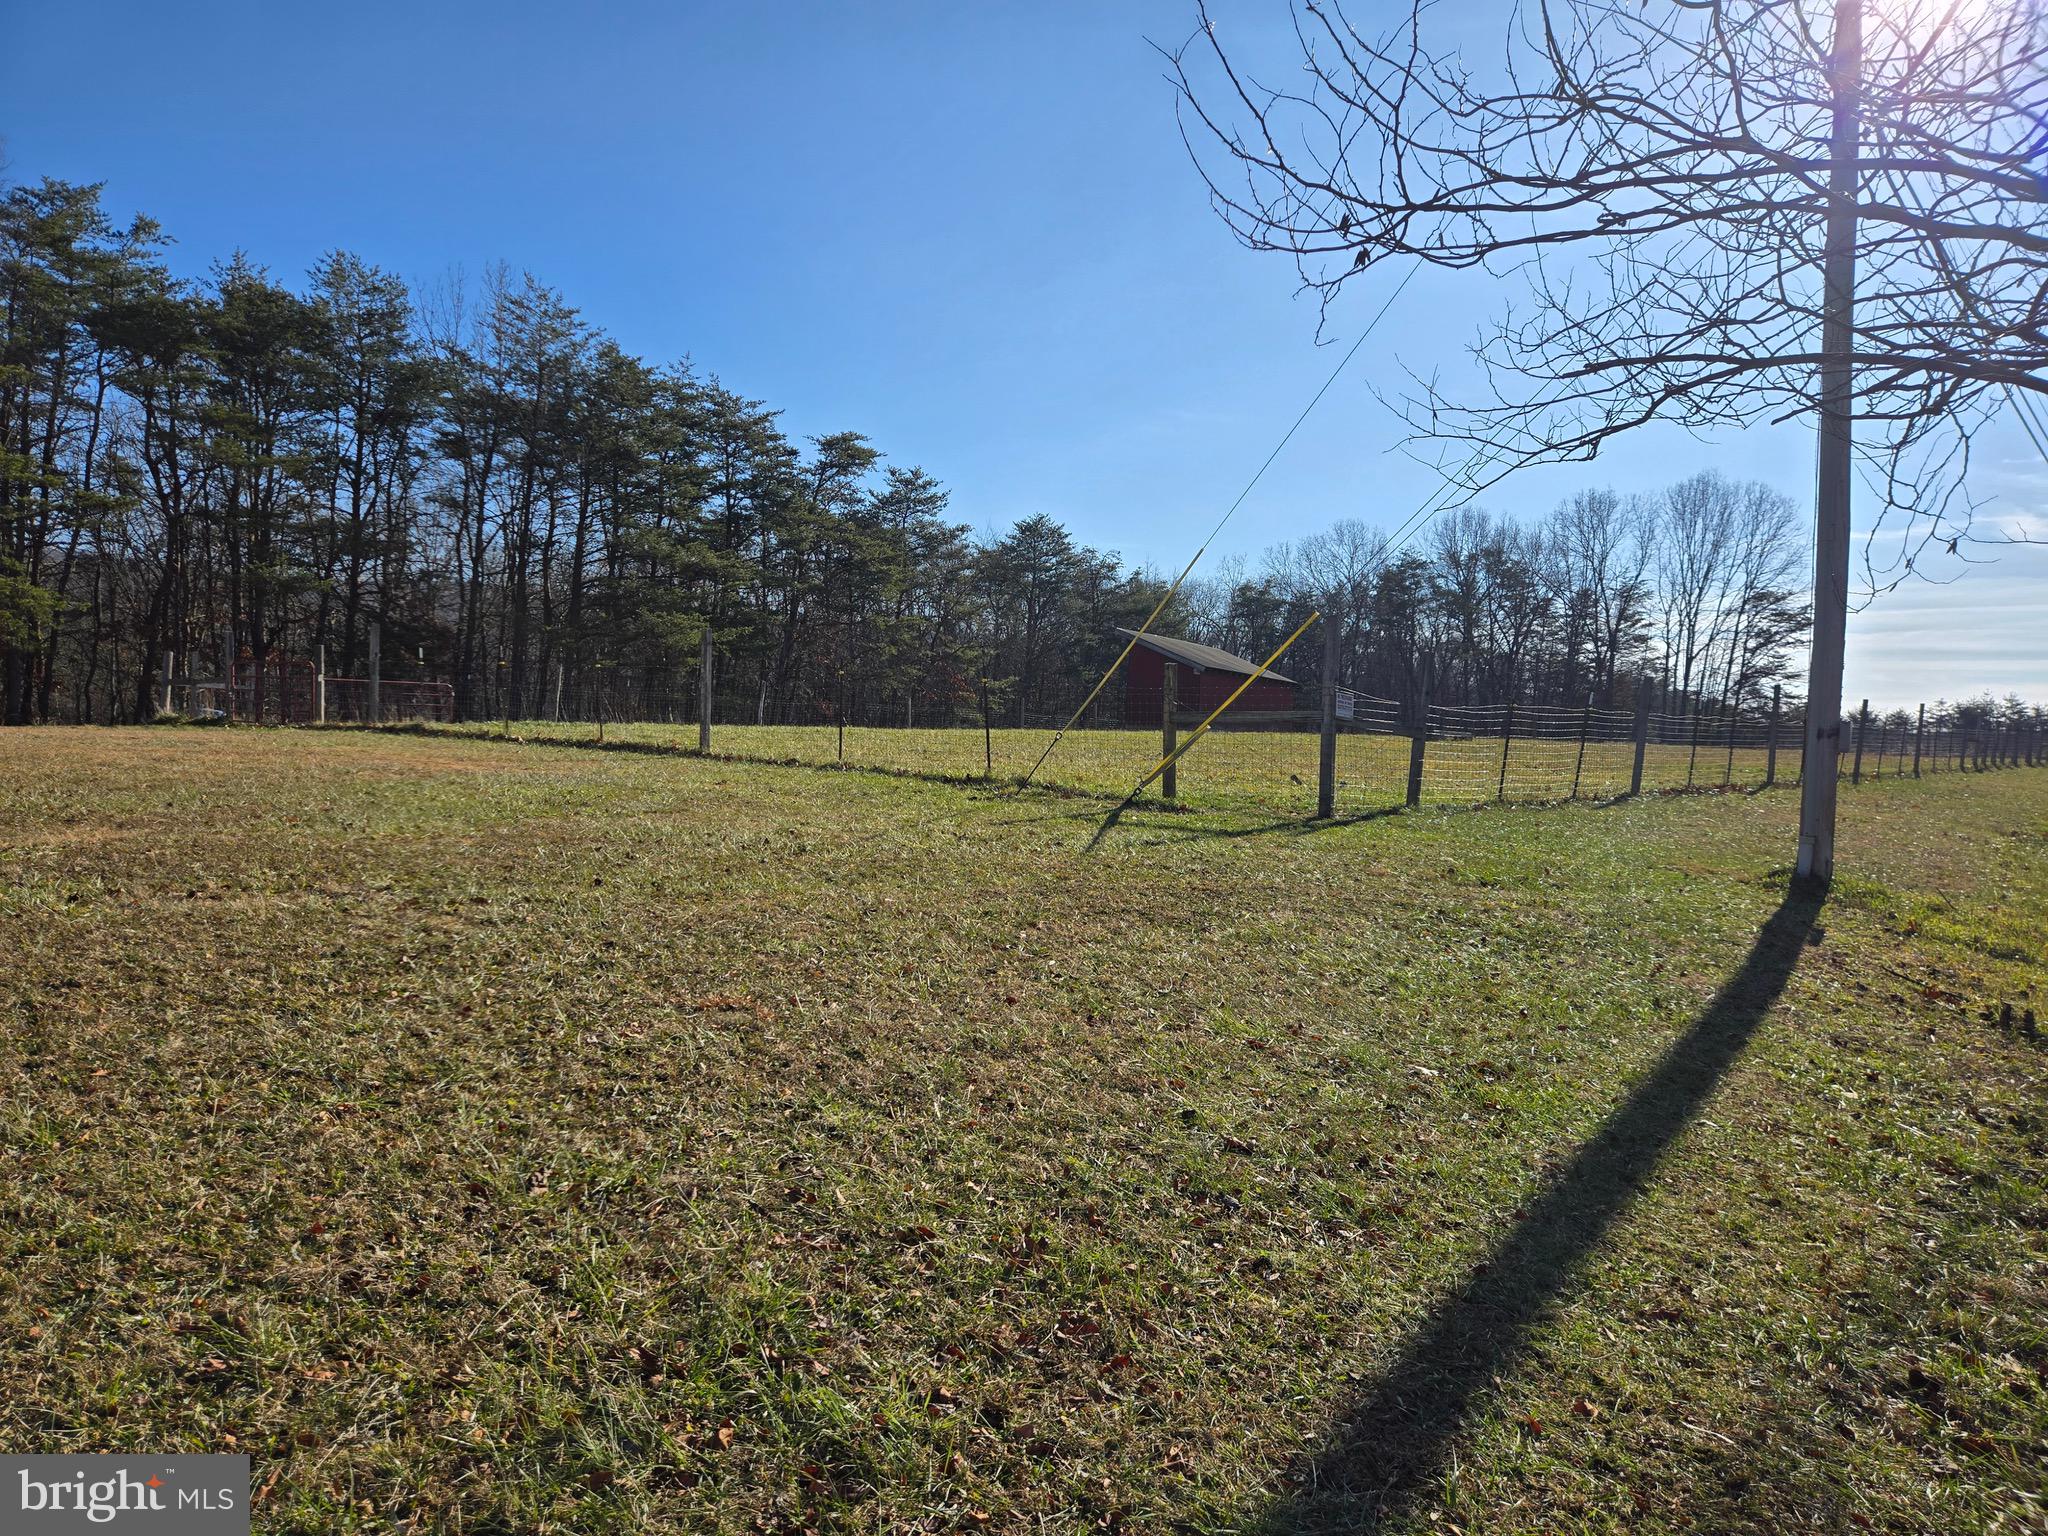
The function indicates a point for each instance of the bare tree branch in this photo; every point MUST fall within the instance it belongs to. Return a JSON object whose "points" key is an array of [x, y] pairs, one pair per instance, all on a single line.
{"points": [[1656, 178]]}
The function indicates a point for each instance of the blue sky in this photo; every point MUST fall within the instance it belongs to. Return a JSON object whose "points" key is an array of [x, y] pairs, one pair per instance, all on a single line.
{"points": [[969, 231]]}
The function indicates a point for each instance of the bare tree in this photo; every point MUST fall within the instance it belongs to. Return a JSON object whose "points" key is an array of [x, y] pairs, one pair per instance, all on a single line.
{"points": [[1765, 616], [1686, 193], [1695, 529], [1335, 570], [1599, 548]]}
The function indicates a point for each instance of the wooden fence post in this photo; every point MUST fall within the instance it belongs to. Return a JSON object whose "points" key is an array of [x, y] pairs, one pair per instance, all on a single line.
{"points": [[1326, 748], [1728, 768], [704, 689], [227, 673], [1862, 729], [1169, 729], [376, 701], [1585, 725], [1692, 754], [1507, 740], [1418, 744], [320, 687], [1642, 735], [170, 669], [988, 752], [1771, 738], [1919, 734]]}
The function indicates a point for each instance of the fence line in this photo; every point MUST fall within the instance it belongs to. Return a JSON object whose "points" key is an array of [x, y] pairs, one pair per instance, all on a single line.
{"points": [[1359, 753], [1378, 755]]}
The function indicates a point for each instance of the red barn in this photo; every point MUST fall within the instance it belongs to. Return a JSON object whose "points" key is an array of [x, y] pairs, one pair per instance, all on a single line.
{"points": [[1207, 677]]}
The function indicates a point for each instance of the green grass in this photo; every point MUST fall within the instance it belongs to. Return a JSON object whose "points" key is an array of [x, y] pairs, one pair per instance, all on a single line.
{"points": [[495, 1139]]}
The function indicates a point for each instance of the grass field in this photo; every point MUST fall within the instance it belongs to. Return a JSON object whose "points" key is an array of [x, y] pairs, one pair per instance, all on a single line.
{"points": [[1272, 771], [498, 1139]]}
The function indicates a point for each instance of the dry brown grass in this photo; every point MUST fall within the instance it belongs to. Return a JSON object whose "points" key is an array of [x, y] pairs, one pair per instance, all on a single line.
{"points": [[491, 1139]]}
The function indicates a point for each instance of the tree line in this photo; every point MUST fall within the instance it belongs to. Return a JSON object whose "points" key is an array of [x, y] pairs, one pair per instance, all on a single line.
{"points": [[237, 469], [1694, 591]]}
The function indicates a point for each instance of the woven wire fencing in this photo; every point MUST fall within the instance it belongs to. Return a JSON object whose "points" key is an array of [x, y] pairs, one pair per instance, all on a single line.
{"points": [[1523, 752], [1268, 760]]}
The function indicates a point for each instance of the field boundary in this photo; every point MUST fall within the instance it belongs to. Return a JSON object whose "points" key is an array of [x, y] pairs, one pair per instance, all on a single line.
{"points": [[1001, 784]]}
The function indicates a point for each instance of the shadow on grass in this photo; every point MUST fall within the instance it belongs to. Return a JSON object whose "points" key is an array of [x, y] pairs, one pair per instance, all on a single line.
{"points": [[1296, 826], [1389, 1447], [1292, 826], [1002, 786]]}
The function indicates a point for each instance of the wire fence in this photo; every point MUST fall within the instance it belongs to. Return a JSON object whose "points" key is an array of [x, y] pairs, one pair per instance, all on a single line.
{"points": [[293, 690], [1382, 754]]}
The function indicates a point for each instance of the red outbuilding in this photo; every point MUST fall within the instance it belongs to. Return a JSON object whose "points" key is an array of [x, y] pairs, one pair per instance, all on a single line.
{"points": [[1207, 676]]}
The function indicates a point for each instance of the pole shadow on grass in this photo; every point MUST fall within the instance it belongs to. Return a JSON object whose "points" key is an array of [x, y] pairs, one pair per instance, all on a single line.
{"points": [[1292, 826], [1389, 1446]]}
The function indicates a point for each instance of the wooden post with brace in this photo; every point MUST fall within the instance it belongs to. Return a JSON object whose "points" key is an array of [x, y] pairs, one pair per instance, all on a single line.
{"points": [[1326, 747]]}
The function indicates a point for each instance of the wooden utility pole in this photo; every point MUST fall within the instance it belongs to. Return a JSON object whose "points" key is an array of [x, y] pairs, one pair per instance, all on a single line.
{"points": [[1818, 790]]}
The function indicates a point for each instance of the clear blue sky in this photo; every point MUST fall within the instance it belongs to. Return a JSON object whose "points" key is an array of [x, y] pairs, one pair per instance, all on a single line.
{"points": [[969, 231]]}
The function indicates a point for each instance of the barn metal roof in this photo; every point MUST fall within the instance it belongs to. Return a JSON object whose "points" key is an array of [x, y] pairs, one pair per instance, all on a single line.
{"points": [[1203, 658]]}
